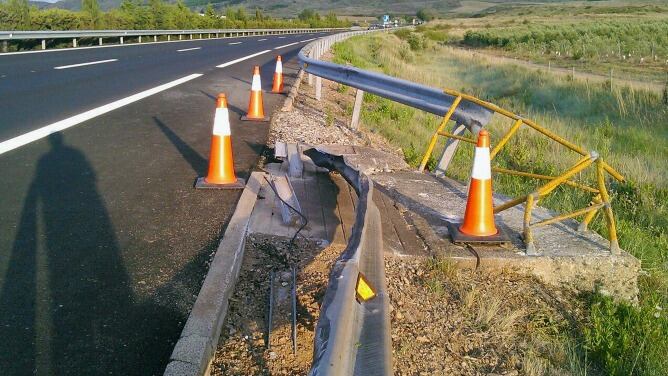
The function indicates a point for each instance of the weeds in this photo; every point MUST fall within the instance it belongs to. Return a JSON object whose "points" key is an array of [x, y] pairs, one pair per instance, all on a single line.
{"points": [[629, 128]]}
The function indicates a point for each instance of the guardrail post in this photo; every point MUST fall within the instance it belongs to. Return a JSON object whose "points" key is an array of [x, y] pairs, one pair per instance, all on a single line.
{"points": [[5, 46], [318, 87], [449, 149], [44, 44], [74, 42], [200, 35], [169, 37], [216, 35], [139, 39], [121, 40], [191, 36], [99, 41], [155, 38], [357, 109]]}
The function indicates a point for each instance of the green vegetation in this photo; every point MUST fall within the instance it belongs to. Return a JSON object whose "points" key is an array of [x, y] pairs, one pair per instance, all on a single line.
{"points": [[629, 128], [629, 38], [153, 14]]}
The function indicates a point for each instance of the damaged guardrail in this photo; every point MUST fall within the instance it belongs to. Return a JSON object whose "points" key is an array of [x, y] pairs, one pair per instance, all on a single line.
{"points": [[422, 97], [352, 336]]}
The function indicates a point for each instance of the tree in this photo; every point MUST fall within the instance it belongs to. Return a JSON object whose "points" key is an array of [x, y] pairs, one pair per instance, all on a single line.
{"points": [[426, 14], [92, 9], [19, 13]]}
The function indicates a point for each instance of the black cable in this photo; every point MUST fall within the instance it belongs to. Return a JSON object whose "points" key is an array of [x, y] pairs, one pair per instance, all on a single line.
{"points": [[473, 251], [305, 220]]}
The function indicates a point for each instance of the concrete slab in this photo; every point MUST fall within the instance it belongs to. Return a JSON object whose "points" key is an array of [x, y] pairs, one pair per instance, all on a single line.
{"points": [[565, 257]]}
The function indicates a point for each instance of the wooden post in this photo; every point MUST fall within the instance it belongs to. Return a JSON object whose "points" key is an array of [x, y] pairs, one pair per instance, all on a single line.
{"points": [[357, 109]]}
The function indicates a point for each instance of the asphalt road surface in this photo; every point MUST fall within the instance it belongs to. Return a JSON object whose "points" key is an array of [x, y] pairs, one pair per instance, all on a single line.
{"points": [[104, 243]]}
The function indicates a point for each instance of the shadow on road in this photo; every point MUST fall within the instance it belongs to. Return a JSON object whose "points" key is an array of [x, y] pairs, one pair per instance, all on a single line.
{"points": [[65, 278]]}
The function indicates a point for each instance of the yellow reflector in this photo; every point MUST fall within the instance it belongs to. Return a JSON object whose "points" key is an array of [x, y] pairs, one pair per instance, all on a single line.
{"points": [[363, 290]]}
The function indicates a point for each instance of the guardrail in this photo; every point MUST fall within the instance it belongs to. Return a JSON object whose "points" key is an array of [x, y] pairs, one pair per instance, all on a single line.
{"points": [[120, 35], [334, 353], [352, 336], [469, 112]]}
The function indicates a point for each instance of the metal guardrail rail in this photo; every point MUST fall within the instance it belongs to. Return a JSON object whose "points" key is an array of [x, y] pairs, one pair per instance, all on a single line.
{"points": [[353, 337], [335, 353], [74, 35]]}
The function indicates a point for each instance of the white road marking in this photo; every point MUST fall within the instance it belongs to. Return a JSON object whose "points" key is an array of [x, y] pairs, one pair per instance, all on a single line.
{"points": [[307, 40], [84, 64], [260, 40], [281, 37], [45, 131], [235, 43], [189, 49], [287, 45], [242, 59]]}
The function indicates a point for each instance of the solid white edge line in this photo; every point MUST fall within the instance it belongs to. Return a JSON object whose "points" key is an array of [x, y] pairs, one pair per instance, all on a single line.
{"points": [[241, 59], [189, 49], [233, 43], [47, 130], [287, 45], [84, 64]]}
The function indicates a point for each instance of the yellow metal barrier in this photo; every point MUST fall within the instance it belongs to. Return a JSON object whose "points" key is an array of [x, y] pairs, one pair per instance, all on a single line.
{"points": [[600, 200]]}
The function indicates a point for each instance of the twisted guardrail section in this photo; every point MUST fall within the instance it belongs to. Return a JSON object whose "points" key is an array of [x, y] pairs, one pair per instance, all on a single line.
{"points": [[352, 337]]}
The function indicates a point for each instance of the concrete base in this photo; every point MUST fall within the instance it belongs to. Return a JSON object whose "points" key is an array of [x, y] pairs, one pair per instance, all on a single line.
{"points": [[563, 256], [202, 184]]}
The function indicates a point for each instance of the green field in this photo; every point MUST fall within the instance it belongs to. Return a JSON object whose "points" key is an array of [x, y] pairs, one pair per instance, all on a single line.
{"points": [[631, 38], [628, 127]]}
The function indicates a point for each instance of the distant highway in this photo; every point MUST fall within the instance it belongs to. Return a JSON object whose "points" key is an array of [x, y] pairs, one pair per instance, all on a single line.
{"points": [[103, 241]]}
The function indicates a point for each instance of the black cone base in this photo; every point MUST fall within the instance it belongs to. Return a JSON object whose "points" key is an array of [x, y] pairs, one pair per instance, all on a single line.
{"points": [[202, 184], [459, 237]]}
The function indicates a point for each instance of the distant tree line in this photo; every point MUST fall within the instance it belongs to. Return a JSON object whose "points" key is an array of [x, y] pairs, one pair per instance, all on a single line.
{"points": [[153, 14]]}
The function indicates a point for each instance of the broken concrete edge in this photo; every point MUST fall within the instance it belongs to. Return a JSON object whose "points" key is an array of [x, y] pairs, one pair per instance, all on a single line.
{"points": [[353, 337], [193, 353], [290, 99]]}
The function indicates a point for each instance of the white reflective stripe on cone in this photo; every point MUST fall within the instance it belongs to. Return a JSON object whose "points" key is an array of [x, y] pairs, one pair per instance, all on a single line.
{"points": [[279, 67], [482, 169], [221, 122], [256, 86]]}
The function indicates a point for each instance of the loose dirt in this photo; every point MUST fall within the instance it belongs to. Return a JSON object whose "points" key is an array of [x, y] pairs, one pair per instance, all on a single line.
{"points": [[243, 346]]}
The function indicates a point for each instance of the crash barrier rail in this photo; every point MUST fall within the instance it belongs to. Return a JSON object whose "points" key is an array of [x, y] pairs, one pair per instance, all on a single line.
{"points": [[352, 336], [600, 196], [469, 112], [75, 35]]}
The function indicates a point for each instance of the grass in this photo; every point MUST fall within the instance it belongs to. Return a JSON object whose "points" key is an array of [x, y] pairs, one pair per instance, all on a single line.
{"points": [[629, 128], [597, 37]]}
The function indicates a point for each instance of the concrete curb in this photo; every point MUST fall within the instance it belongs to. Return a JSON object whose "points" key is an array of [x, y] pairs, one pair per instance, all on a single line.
{"points": [[195, 348]]}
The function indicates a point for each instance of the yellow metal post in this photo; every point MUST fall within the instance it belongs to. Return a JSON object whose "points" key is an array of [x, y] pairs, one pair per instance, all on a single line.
{"points": [[590, 216], [505, 138], [432, 143], [612, 229], [528, 234]]}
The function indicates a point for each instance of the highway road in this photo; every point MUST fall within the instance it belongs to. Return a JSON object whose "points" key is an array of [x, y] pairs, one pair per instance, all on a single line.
{"points": [[104, 243]]}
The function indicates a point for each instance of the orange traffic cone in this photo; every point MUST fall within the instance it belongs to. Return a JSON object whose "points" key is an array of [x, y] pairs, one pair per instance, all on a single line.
{"points": [[278, 76], [478, 225], [255, 105], [221, 162]]}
